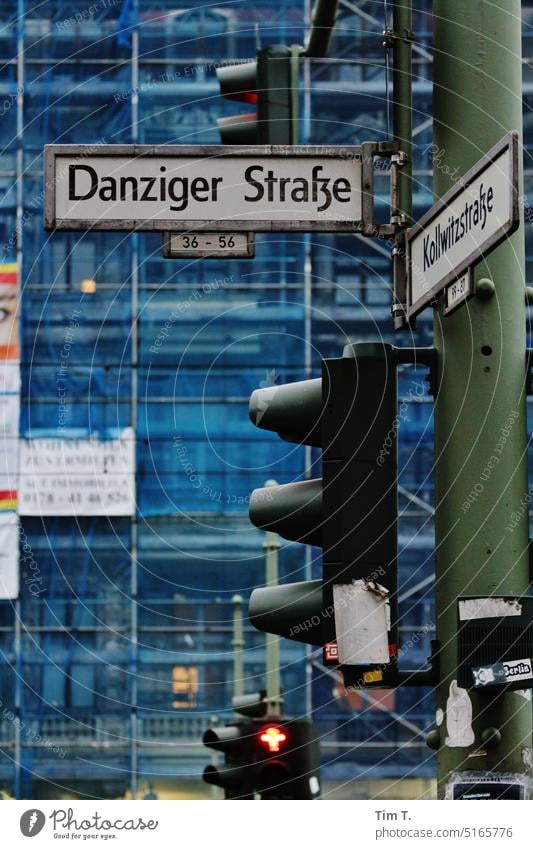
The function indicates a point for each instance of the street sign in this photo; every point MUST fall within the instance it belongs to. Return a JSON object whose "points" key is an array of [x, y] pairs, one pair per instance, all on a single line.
{"points": [[471, 219], [217, 188], [459, 292], [208, 245]]}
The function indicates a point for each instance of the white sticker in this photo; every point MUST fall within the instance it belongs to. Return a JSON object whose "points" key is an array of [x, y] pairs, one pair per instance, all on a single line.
{"points": [[518, 670], [439, 717], [459, 718], [488, 608], [361, 623], [314, 785]]}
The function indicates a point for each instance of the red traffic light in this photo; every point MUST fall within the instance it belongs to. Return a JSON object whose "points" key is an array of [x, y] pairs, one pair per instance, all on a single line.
{"points": [[247, 97], [272, 737]]}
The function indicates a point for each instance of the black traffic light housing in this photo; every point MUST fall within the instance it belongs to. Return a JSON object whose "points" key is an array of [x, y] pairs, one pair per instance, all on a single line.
{"points": [[351, 512], [266, 756], [287, 758], [236, 742], [271, 85]]}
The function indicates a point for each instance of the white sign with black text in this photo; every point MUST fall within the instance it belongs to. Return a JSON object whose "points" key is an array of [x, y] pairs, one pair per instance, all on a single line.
{"points": [[77, 477], [464, 225], [208, 245], [222, 188], [458, 292]]}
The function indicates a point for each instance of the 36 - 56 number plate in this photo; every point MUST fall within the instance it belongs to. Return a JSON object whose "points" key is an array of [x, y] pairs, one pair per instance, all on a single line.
{"points": [[208, 245]]}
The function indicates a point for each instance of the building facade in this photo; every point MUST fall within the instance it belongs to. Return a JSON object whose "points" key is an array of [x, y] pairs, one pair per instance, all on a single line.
{"points": [[117, 651]]}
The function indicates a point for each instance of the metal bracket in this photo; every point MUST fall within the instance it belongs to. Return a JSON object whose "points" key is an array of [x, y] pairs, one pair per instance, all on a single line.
{"points": [[399, 158], [422, 677], [398, 218], [399, 316], [390, 36], [417, 357], [399, 273], [386, 150], [380, 230]]}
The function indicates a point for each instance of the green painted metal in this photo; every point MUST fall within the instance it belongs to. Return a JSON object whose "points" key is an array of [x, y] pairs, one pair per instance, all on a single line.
{"points": [[403, 99], [481, 381], [401, 40]]}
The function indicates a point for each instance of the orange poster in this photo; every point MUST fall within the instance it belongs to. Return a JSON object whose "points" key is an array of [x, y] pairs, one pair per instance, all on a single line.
{"points": [[9, 300]]}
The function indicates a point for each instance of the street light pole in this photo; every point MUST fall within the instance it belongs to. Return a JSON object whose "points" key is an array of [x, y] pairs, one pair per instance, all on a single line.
{"points": [[480, 383]]}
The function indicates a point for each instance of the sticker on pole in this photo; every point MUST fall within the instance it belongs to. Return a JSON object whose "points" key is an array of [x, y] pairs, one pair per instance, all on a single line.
{"points": [[469, 221], [487, 790], [503, 673]]}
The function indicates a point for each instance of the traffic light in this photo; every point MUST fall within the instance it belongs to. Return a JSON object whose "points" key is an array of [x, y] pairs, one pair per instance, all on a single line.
{"points": [[236, 742], [351, 512], [271, 85], [287, 759], [266, 756]]}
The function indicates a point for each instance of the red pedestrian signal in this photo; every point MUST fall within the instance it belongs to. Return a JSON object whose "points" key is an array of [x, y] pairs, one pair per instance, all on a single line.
{"points": [[272, 737]]}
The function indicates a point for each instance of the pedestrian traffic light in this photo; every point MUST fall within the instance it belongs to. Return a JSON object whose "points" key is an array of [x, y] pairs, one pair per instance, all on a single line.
{"points": [[266, 756], [351, 512], [271, 84], [287, 756]]}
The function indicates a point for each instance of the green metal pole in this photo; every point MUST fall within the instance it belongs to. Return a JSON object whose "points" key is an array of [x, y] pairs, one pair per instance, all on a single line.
{"points": [[403, 99], [401, 41], [481, 384], [238, 647]]}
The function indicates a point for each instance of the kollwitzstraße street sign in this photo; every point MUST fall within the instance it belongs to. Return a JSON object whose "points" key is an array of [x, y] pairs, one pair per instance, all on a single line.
{"points": [[220, 188], [471, 219]]}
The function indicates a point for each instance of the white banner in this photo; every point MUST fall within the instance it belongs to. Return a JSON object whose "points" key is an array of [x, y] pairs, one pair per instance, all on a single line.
{"points": [[388, 824], [77, 477], [9, 555], [9, 433]]}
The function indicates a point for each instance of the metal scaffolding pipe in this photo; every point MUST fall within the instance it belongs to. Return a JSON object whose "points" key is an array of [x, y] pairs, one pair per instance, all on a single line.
{"points": [[323, 20]]}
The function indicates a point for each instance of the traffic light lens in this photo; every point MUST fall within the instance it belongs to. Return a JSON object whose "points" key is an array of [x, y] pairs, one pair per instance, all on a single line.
{"points": [[272, 737]]}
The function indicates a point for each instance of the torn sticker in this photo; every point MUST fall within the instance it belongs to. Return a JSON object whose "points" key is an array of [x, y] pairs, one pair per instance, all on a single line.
{"points": [[362, 623], [459, 718], [488, 608]]}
